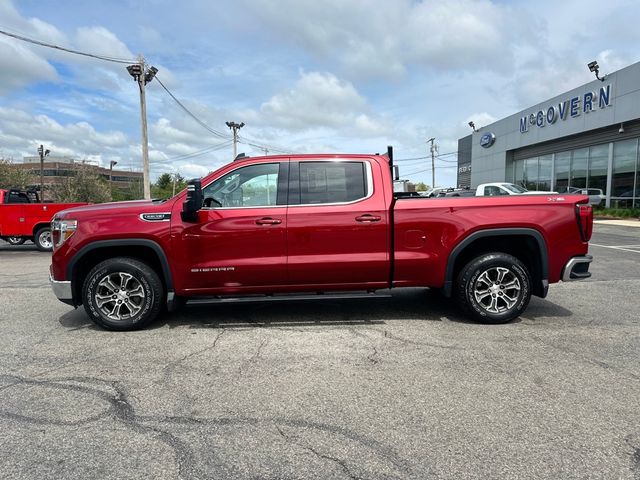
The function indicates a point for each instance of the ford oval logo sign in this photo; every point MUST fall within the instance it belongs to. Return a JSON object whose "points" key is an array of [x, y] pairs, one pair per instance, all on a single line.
{"points": [[487, 140]]}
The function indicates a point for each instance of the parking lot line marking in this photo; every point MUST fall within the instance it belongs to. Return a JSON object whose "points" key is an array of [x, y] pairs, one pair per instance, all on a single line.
{"points": [[617, 248]]}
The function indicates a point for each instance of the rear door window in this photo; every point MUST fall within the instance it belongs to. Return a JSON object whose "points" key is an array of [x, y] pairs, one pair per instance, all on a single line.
{"points": [[332, 182]]}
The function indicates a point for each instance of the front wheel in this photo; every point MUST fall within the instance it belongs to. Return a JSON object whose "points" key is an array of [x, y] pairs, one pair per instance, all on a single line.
{"points": [[16, 240], [494, 288], [122, 294], [43, 240]]}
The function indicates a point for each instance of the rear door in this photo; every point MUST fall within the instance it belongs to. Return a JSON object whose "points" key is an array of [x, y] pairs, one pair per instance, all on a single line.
{"points": [[337, 224]]}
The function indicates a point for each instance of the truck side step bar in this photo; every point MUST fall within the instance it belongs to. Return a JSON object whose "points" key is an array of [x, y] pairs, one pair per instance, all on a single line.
{"points": [[286, 297]]}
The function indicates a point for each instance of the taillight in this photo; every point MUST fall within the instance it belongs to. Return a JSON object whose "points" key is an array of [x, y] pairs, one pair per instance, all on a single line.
{"points": [[584, 214]]}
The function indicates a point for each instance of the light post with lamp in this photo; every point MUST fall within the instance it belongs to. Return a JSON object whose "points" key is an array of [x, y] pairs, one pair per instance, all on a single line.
{"points": [[42, 153], [111, 164]]}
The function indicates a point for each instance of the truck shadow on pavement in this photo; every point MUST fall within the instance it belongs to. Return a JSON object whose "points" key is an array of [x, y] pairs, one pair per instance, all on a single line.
{"points": [[404, 304]]}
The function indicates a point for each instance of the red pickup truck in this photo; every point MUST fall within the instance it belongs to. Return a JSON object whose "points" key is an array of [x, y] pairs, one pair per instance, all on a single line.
{"points": [[23, 217], [314, 223]]}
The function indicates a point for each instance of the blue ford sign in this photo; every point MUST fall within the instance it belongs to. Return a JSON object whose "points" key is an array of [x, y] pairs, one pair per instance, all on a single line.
{"points": [[487, 140]]}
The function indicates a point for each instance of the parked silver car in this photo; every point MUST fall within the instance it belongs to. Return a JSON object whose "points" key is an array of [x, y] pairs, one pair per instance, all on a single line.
{"points": [[596, 196]]}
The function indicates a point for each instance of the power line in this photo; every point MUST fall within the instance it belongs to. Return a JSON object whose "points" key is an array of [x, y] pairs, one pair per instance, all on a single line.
{"points": [[64, 49], [427, 170], [271, 148], [200, 122], [425, 157], [241, 139], [197, 153]]}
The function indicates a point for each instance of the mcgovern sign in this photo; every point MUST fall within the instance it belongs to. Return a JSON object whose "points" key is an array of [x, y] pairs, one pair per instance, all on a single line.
{"points": [[572, 107]]}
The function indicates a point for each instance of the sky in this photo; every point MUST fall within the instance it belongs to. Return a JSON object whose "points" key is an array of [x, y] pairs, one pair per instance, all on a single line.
{"points": [[305, 76]]}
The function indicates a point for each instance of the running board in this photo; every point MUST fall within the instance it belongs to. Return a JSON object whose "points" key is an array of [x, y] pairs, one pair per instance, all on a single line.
{"points": [[285, 297]]}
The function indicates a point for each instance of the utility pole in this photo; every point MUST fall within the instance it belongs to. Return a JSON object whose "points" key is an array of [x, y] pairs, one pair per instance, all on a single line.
{"points": [[434, 149], [42, 153], [234, 128], [142, 77], [111, 164]]}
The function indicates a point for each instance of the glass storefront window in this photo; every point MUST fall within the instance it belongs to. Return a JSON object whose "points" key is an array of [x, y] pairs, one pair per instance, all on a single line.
{"points": [[563, 168], [518, 177], [585, 168], [544, 173], [598, 162], [625, 155], [579, 164], [531, 173]]}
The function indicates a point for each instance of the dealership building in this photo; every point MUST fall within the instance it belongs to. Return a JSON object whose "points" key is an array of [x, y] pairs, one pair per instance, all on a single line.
{"points": [[584, 138]]}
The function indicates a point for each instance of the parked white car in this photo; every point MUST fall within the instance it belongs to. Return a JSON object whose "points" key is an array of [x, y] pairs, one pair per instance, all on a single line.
{"points": [[505, 188]]}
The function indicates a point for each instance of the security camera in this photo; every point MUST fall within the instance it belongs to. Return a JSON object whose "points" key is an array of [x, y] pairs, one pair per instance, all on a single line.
{"points": [[621, 129]]}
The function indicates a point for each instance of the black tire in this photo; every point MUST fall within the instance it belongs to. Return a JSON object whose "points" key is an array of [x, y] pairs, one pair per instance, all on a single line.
{"points": [[494, 288], [16, 240], [123, 294], [43, 239]]}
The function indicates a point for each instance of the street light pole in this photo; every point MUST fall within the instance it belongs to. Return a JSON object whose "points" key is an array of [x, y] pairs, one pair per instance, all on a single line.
{"points": [[142, 77], [42, 153], [234, 128], [111, 164]]}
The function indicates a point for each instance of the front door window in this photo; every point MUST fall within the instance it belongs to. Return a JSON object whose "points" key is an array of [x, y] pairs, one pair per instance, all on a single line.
{"points": [[251, 186]]}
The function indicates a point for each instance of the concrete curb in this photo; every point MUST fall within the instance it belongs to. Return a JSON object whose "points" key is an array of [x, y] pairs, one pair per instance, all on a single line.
{"points": [[623, 223]]}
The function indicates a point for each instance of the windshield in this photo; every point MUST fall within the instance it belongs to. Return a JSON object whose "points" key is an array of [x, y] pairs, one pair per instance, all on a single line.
{"points": [[514, 188]]}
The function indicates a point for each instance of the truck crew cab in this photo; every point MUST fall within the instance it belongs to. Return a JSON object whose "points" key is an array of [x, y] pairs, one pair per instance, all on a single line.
{"points": [[314, 223]]}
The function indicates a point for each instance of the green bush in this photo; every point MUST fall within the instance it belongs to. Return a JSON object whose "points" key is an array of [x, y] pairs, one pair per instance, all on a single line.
{"points": [[617, 212]]}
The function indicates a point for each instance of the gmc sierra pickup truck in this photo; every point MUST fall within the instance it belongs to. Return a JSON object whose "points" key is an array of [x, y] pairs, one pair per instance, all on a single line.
{"points": [[23, 217], [312, 224]]}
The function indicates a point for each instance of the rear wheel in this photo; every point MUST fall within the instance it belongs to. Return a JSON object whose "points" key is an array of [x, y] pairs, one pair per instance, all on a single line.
{"points": [[16, 240], [122, 294], [494, 288], [43, 240]]}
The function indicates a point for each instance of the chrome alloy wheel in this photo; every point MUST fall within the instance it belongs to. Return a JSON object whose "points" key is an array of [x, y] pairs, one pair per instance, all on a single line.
{"points": [[119, 296], [44, 238], [497, 289]]}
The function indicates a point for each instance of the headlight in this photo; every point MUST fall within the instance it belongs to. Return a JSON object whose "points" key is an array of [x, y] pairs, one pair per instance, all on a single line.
{"points": [[61, 230]]}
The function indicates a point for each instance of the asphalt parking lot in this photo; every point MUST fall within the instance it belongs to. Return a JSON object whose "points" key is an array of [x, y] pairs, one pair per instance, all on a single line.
{"points": [[400, 387]]}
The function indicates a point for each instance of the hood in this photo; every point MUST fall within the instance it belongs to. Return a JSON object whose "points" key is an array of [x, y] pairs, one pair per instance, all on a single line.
{"points": [[113, 209]]}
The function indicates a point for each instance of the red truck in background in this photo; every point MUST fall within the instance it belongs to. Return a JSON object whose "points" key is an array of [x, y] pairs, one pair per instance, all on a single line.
{"points": [[301, 224], [23, 217]]}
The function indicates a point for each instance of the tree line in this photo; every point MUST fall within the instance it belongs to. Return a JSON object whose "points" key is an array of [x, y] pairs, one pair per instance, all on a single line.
{"points": [[86, 185]]}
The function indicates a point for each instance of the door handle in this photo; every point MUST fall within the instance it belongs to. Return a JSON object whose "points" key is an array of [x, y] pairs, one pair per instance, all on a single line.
{"points": [[268, 221], [368, 218]]}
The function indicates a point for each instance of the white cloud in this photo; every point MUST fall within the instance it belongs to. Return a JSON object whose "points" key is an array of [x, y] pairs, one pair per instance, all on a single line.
{"points": [[480, 119], [321, 100], [386, 38], [100, 41], [20, 67], [22, 133]]}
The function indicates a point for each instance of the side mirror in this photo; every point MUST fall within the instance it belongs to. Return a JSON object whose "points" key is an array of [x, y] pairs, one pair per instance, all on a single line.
{"points": [[193, 202]]}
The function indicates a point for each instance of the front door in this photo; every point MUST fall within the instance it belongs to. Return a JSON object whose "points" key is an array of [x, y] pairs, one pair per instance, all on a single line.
{"points": [[239, 242]]}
